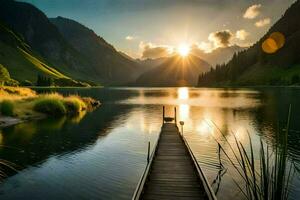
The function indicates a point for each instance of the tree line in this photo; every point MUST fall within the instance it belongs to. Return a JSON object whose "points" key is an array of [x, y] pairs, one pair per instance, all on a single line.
{"points": [[44, 81]]}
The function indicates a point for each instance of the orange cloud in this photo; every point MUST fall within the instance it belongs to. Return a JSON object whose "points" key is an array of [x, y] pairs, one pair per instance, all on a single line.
{"points": [[150, 50], [241, 34], [263, 22], [252, 12], [221, 38]]}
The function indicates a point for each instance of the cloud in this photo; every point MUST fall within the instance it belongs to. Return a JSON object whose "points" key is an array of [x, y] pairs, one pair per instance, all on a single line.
{"points": [[252, 12], [241, 34], [203, 46], [221, 38], [200, 50], [150, 50], [129, 38], [263, 22]]}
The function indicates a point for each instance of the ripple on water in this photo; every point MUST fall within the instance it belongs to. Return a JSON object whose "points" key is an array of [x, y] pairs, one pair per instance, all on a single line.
{"points": [[104, 154]]}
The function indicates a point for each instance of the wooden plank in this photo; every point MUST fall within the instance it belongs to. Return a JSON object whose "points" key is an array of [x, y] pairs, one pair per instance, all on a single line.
{"points": [[172, 173]]}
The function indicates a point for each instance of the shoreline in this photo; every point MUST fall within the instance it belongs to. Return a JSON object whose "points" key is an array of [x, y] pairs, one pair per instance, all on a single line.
{"points": [[61, 87], [19, 104], [125, 86], [6, 121], [9, 121]]}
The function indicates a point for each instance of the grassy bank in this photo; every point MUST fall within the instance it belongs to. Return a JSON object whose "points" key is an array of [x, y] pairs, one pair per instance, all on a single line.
{"points": [[25, 104]]}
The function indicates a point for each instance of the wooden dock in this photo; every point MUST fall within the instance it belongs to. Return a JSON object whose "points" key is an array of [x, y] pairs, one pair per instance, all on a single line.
{"points": [[172, 171]]}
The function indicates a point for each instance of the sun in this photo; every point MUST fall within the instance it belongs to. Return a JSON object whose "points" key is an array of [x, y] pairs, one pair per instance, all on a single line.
{"points": [[183, 50]]}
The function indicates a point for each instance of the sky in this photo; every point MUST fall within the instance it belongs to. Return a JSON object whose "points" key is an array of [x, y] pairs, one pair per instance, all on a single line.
{"points": [[155, 28]]}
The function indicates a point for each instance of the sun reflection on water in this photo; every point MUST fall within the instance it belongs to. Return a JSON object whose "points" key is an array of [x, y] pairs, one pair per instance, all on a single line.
{"points": [[183, 93], [184, 108], [203, 128], [184, 112]]}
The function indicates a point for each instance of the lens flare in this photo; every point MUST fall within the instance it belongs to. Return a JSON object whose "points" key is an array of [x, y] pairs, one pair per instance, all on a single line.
{"points": [[273, 43], [269, 46]]}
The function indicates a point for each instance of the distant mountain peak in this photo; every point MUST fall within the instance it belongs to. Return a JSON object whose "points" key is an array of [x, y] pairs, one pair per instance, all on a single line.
{"points": [[174, 71], [221, 55], [75, 28]]}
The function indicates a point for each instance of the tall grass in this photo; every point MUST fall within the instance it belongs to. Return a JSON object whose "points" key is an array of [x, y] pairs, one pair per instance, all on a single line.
{"points": [[16, 93], [25, 103], [74, 104], [50, 106], [271, 180], [7, 108], [56, 104]]}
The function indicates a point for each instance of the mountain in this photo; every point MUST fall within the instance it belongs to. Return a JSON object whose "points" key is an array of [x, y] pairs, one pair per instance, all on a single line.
{"points": [[255, 66], [21, 62], [105, 61], [151, 63], [174, 71], [218, 56], [221, 55], [58, 48], [43, 37]]}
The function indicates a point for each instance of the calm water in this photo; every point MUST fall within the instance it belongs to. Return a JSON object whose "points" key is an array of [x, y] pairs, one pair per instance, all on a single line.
{"points": [[102, 154]]}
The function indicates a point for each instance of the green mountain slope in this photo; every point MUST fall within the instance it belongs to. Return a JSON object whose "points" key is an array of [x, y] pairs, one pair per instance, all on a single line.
{"points": [[106, 62], [61, 48], [43, 37], [174, 71], [21, 62], [255, 67]]}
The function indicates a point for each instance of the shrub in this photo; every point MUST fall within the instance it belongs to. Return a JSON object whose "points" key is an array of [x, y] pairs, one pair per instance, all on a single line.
{"points": [[7, 108], [50, 106], [90, 102], [74, 105]]}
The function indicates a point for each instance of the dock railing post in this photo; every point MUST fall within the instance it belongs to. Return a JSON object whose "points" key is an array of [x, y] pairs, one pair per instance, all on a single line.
{"points": [[181, 124], [175, 115], [148, 155], [163, 114]]}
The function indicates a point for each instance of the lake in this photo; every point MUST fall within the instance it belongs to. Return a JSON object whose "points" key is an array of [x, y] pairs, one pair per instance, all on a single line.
{"points": [[102, 154]]}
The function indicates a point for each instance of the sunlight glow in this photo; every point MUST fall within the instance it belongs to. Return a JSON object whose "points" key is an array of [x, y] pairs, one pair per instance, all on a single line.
{"points": [[183, 50], [184, 112], [183, 93], [204, 128]]}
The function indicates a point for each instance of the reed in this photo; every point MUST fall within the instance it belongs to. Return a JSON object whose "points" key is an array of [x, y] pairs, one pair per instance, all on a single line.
{"points": [[5, 167], [265, 178]]}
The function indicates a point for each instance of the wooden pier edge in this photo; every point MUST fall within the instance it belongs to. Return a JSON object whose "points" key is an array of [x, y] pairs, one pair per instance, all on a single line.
{"points": [[208, 189], [140, 187]]}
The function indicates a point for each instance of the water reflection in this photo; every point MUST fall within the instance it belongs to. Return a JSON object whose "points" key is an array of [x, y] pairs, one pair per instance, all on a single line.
{"points": [[184, 108], [106, 149], [204, 128], [183, 93], [184, 111]]}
